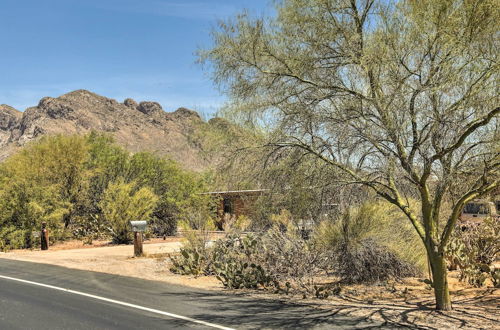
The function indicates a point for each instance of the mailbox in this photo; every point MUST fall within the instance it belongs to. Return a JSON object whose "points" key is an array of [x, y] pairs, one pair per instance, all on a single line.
{"points": [[138, 226]]}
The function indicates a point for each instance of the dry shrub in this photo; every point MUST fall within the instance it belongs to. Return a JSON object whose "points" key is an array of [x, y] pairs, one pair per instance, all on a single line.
{"points": [[290, 258], [365, 245], [369, 262], [372, 243]]}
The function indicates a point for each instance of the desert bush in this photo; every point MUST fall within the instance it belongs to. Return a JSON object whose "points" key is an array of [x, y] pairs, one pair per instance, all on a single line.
{"points": [[234, 262], [90, 228], [195, 255], [14, 238], [63, 180], [290, 258], [369, 244], [366, 261], [354, 248], [191, 261], [121, 204], [474, 250], [278, 258]]}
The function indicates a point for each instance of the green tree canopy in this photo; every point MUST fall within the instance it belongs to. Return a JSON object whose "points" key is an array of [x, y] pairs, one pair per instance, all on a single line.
{"points": [[82, 185]]}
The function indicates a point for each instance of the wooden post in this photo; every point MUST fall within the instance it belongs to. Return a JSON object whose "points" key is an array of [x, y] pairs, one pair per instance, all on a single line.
{"points": [[138, 244], [44, 237]]}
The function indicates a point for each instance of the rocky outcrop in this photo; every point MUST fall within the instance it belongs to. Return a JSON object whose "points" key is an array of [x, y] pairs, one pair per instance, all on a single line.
{"points": [[143, 126], [9, 119]]}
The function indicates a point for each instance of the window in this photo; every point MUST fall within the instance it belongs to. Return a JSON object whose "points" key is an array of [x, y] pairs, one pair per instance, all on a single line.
{"points": [[228, 206], [476, 208]]}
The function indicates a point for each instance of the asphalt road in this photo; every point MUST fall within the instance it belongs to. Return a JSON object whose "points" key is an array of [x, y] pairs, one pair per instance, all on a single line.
{"points": [[104, 301]]}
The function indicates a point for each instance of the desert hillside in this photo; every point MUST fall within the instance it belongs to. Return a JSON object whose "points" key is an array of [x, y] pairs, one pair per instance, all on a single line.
{"points": [[143, 126]]}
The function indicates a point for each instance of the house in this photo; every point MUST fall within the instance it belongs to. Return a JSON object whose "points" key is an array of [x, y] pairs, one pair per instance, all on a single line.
{"points": [[235, 203]]}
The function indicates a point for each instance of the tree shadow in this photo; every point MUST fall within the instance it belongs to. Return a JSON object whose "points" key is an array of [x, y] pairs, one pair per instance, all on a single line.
{"points": [[262, 310]]}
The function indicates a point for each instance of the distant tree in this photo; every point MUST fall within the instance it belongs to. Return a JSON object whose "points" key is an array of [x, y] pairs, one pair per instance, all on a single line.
{"points": [[400, 96], [42, 184], [121, 204]]}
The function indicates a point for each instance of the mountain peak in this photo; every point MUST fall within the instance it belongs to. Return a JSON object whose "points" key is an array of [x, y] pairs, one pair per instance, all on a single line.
{"points": [[79, 93], [142, 126]]}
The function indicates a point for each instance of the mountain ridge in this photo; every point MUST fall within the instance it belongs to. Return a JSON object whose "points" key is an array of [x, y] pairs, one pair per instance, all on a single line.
{"points": [[137, 126]]}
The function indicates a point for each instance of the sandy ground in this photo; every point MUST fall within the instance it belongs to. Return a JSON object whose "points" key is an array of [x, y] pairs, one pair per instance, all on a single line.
{"points": [[408, 303], [119, 260]]}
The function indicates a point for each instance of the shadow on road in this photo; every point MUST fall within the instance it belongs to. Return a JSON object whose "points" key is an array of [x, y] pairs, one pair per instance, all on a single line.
{"points": [[250, 310]]}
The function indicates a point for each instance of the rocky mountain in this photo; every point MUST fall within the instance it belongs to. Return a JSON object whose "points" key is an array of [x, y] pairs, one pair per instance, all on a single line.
{"points": [[143, 126]]}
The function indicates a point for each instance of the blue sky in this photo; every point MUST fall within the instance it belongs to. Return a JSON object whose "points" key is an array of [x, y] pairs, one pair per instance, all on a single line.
{"points": [[142, 49]]}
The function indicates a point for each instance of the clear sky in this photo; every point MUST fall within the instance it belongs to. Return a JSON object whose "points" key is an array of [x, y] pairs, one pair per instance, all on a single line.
{"points": [[143, 49]]}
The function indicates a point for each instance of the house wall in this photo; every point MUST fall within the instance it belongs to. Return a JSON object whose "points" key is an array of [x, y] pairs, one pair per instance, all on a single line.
{"points": [[241, 205]]}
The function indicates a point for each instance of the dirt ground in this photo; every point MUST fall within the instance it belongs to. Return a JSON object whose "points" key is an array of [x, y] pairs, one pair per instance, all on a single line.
{"points": [[117, 259], [408, 303]]}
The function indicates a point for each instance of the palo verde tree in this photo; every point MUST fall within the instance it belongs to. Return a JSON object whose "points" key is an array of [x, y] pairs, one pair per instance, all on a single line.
{"points": [[401, 96]]}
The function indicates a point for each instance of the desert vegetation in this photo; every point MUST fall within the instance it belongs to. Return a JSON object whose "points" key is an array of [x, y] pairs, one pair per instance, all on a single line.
{"points": [[350, 248], [399, 97], [87, 187], [367, 126]]}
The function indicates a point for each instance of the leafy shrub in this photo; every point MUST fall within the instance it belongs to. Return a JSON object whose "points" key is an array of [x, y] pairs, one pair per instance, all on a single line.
{"points": [[121, 204], [14, 238], [89, 228], [66, 181], [474, 249]]}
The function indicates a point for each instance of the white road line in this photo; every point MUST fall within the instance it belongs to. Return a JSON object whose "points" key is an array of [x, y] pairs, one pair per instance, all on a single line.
{"points": [[122, 303]]}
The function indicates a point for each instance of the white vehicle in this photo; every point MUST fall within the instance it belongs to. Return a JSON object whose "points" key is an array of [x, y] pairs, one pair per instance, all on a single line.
{"points": [[476, 211]]}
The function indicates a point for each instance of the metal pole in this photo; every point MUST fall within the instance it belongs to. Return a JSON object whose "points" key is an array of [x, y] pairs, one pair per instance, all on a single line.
{"points": [[44, 237], [138, 244]]}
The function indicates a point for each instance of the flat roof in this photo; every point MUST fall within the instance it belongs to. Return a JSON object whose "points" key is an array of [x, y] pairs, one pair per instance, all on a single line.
{"points": [[234, 191]]}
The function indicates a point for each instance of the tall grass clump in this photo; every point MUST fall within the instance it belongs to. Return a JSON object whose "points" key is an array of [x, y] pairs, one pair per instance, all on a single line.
{"points": [[372, 243]]}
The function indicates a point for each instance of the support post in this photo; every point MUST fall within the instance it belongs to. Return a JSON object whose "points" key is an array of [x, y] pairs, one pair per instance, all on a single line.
{"points": [[44, 237], [138, 244], [138, 227]]}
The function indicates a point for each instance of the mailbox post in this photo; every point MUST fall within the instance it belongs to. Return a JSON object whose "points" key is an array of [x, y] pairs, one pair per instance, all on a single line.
{"points": [[44, 237], [138, 227]]}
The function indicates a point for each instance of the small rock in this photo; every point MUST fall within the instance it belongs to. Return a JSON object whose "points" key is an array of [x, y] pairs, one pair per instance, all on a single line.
{"points": [[149, 107]]}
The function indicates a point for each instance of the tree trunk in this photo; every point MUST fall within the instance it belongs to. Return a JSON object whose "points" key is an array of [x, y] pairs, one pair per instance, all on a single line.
{"points": [[440, 281]]}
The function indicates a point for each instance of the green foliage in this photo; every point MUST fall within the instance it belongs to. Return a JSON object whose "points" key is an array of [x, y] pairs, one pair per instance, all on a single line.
{"points": [[120, 204], [189, 262], [38, 184], [88, 187], [474, 249], [399, 96], [195, 256], [13, 238], [234, 262]]}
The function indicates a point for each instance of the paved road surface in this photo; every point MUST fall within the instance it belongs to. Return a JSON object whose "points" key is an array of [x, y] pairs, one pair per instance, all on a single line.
{"points": [[30, 305]]}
